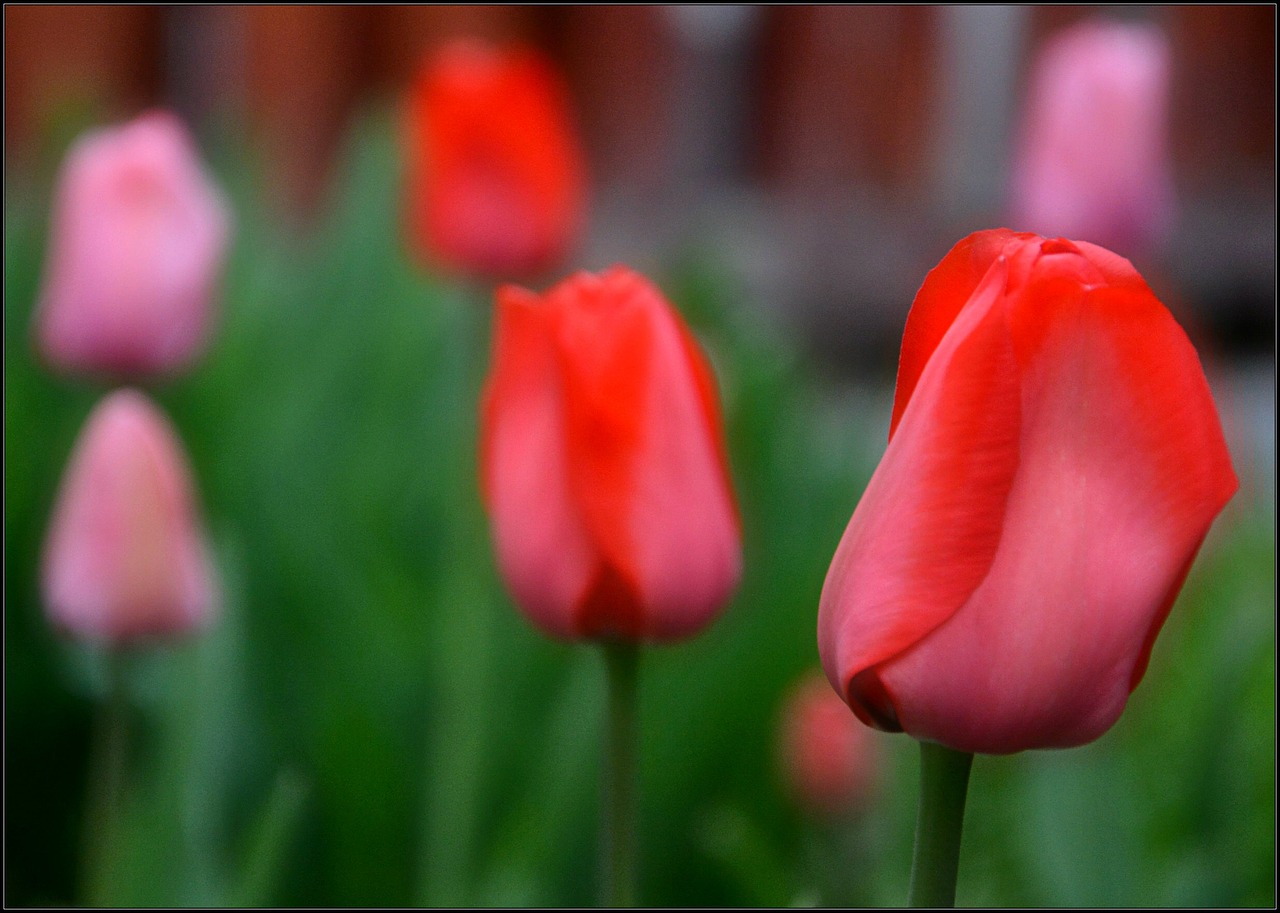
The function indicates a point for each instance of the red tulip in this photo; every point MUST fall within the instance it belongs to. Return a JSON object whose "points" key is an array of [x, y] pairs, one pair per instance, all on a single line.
{"points": [[829, 758], [136, 242], [1054, 463], [125, 557], [1093, 158], [603, 462], [496, 182]]}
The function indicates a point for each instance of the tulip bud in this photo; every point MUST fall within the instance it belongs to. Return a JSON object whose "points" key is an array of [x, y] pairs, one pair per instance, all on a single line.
{"points": [[829, 758], [1055, 460], [1093, 158], [495, 173], [603, 462], [136, 240], [124, 558]]}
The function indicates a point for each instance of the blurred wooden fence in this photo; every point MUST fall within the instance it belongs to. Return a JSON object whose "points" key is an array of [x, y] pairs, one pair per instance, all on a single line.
{"points": [[866, 139], [828, 93]]}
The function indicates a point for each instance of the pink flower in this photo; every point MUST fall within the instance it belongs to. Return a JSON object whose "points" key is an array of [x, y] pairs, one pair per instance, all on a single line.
{"points": [[1055, 460], [603, 462], [828, 756], [1093, 160], [125, 558], [136, 241]]}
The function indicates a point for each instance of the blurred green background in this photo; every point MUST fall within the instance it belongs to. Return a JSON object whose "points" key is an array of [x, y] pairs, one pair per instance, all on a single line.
{"points": [[373, 723]]}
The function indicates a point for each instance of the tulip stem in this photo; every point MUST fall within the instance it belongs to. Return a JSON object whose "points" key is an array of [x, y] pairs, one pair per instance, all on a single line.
{"points": [[618, 836], [105, 801], [944, 783]]}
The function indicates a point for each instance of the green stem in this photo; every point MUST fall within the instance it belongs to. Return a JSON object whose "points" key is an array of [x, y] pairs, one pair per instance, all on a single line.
{"points": [[107, 766], [622, 661], [944, 781]]}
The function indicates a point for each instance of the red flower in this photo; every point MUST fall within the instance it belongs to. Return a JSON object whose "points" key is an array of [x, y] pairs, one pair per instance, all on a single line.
{"points": [[496, 180], [1055, 460], [828, 757], [603, 462]]}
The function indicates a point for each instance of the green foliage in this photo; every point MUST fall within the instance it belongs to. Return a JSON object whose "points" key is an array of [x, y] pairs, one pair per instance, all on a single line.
{"points": [[373, 723]]}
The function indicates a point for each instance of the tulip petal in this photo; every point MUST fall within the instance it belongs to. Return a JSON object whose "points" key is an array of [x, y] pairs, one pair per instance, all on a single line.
{"points": [[1117, 271], [685, 518], [709, 400], [950, 284], [942, 296], [928, 526], [603, 346], [1122, 469], [543, 548], [647, 466]]}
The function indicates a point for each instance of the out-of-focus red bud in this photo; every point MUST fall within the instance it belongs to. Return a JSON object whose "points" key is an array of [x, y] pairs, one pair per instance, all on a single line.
{"points": [[829, 758], [496, 183]]}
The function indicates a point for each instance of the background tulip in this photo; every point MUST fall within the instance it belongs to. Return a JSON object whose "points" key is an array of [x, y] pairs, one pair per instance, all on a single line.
{"points": [[495, 173], [125, 558], [1055, 461], [1093, 157], [603, 462], [829, 758], [137, 238]]}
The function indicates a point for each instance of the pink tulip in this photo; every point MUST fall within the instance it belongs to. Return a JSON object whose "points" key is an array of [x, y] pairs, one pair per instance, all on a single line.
{"points": [[830, 759], [1055, 460], [136, 242], [603, 463], [125, 558], [1093, 157]]}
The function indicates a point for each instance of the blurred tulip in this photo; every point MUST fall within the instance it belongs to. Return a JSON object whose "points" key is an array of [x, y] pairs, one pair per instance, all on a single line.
{"points": [[1093, 159], [125, 558], [1055, 461], [136, 240], [828, 756], [496, 184], [603, 462]]}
